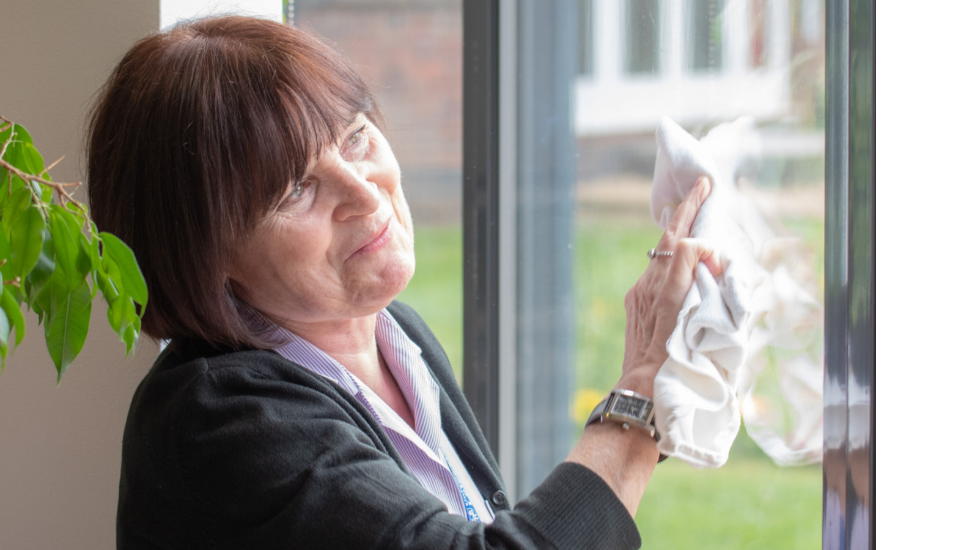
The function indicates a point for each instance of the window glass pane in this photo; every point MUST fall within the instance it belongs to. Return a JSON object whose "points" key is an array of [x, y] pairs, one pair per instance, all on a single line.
{"points": [[705, 28], [410, 54], [585, 37], [758, 33], [718, 61], [643, 32]]}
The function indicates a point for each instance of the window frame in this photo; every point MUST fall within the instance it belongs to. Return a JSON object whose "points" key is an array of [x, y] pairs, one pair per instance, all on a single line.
{"points": [[848, 504]]}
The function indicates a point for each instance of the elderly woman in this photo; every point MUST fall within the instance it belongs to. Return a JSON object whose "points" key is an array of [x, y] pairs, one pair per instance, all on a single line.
{"points": [[298, 405]]}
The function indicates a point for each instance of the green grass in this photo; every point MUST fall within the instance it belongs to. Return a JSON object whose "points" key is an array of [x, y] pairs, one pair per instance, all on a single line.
{"points": [[747, 504], [436, 289]]}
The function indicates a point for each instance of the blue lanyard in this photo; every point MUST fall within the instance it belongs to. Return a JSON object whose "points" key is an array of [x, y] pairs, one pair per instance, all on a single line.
{"points": [[469, 507]]}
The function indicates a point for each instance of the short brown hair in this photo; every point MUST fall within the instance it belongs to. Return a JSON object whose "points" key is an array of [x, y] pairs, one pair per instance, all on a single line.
{"points": [[192, 141]]}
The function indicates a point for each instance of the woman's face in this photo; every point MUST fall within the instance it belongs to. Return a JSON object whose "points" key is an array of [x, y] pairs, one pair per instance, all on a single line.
{"points": [[340, 245]]}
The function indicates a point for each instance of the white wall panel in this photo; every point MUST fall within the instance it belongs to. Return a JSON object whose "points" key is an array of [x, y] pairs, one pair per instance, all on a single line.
{"points": [[173, 11]]}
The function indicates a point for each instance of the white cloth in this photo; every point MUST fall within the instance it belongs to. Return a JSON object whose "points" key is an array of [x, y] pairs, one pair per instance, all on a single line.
{"points": [[717, 350]]}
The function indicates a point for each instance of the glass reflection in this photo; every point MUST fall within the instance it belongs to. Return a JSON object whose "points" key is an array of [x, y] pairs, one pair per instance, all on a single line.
{"points": [[705, 32], [702, 63], [643, 36]]}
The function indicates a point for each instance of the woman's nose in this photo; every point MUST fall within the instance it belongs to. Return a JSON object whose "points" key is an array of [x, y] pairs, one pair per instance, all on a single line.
{"points": [[358, 195]]}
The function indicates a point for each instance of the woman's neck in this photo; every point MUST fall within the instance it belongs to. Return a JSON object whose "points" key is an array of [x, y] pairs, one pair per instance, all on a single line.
{"points": [[351, 342]]}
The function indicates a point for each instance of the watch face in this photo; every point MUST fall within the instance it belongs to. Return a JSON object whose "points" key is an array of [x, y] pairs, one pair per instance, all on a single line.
{"points": [[629, 406]]}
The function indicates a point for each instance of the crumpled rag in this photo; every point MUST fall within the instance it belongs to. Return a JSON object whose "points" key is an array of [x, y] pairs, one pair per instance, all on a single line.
{"points": [[716, 352]]}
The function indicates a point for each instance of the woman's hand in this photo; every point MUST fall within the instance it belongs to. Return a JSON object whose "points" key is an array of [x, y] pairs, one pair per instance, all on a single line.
{"points": [[625, 459], [653, 303]]}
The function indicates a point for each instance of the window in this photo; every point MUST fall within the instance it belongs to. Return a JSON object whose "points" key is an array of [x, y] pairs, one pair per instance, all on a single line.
{"points": [[705, 31], [586, 228], [758, 34], [642, 24], [585, 38], [612, 229]]}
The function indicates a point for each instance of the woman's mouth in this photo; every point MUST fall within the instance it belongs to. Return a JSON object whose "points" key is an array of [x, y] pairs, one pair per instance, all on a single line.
{"points": [[377, 242]]}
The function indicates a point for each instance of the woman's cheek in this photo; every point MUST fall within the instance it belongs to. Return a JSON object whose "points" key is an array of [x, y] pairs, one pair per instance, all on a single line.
{"points": [[400, 273], [400, 269]]}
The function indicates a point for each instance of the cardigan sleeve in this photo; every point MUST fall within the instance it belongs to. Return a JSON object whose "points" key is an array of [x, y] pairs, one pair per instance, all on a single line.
{"points": [[259, 458]]}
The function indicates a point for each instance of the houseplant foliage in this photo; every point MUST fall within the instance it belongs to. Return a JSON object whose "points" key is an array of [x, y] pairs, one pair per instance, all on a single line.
{"points": [[53, 259]]}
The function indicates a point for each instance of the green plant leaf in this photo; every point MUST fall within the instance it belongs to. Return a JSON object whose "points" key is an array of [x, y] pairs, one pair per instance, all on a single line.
{"points": [[18, 202], [4, 183], [46, 192], [67, 327], [79, 209], [42, 271], [31, 160], [4, 174], [105, 284], [27, 238], [130, 337], [41, 303], [10, 185], [122, 316], [45, 246], [122, 311], [132, 279], [92, 247], [70, 247], [8, 302], [21, 152], [4, 335], [117, 314], [23, 135], [4, 245]]}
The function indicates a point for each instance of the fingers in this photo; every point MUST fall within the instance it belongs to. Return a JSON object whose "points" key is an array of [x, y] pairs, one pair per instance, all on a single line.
{"points": [[654, 302], [685, 214], [688, 254], [705, 253]]}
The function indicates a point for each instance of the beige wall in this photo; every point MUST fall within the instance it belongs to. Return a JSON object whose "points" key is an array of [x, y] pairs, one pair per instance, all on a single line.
{"points": [[60, 446]]}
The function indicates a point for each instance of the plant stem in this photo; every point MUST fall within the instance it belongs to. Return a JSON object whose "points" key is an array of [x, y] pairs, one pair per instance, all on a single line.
{"points": [[57, 186]]}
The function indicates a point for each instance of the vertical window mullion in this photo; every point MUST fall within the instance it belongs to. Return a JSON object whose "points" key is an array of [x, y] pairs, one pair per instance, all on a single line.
{"points": [[544, 188], [480, 211], [849, 397]]}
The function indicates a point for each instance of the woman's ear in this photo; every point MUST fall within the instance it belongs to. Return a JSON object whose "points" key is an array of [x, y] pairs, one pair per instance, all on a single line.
{"points": [[235, 282]]}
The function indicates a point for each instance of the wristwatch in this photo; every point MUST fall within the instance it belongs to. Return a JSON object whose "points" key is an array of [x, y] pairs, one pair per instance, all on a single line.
{"points": [[628, 408]]}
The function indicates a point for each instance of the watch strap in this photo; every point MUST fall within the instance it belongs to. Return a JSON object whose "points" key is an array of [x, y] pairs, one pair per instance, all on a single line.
{"points": [[598, 414]]}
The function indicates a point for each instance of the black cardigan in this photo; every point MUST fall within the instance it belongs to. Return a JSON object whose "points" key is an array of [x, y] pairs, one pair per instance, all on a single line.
{"points": [[249, 450]]}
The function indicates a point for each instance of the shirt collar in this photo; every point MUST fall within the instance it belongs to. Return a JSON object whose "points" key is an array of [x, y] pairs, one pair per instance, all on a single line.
{"points": [[403, 358]]}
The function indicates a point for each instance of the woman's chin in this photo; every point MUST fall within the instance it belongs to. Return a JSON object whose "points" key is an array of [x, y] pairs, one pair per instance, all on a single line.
{"points": [[399, 273], [376, 290]]}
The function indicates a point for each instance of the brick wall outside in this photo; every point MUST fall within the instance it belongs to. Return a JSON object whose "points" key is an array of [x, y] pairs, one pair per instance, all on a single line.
{"points": [[410, 54]]}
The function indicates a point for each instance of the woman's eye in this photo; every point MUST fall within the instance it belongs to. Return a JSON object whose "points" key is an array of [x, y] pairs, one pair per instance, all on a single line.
{"points": [[355, 144], [298, 190], [296, 195]]}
